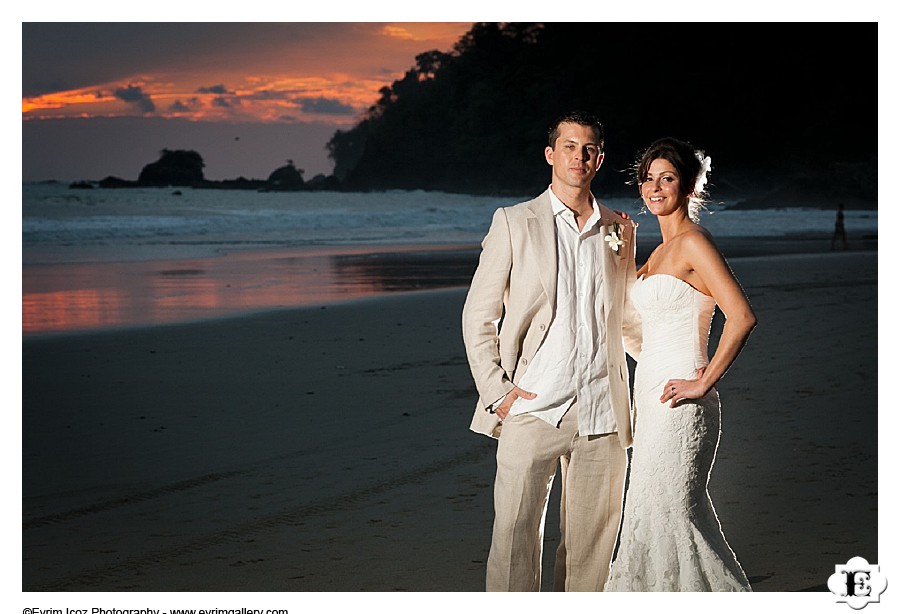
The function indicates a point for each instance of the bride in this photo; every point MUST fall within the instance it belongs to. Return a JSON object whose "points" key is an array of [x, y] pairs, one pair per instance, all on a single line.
{"points": [[671, 539]]}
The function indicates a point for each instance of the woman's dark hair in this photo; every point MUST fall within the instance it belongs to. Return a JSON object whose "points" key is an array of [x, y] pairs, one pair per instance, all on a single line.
{"points": [[690, 163]]}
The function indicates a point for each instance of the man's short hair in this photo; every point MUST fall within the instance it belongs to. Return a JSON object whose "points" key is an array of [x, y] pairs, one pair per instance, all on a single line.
{"points": [[581, 118]]}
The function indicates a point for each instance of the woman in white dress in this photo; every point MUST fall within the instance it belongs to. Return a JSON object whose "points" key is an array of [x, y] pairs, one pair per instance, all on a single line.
{"points": [[671, 539]]}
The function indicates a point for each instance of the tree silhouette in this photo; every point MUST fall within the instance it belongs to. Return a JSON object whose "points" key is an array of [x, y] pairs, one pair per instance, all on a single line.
{"points": [[476, 119]]}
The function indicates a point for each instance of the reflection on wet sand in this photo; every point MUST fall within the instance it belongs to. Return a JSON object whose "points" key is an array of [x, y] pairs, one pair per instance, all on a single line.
{"points": [[405, 271], [78, 297]]}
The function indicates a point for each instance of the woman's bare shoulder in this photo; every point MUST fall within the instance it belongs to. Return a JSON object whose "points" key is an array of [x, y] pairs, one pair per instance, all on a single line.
{"points": [[697, 237]]}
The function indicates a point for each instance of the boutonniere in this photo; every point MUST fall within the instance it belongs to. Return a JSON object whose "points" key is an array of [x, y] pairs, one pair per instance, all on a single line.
{"points": [[614, 238]]}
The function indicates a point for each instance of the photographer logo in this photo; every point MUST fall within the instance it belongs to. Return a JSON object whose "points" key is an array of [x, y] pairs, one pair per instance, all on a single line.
{"points": [[857, 583]]}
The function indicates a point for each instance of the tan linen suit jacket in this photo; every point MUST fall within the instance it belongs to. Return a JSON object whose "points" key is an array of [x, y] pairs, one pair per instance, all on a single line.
{"points": [[512, 301]]}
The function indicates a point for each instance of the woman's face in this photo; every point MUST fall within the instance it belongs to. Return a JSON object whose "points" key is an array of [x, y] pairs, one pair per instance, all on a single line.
{"points": [[661, 189]]}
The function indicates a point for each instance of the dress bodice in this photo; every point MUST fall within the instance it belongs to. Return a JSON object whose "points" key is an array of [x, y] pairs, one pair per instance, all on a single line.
{"points": [[675, 319]]}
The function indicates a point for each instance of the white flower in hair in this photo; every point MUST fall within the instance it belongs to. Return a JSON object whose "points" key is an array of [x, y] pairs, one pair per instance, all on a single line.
{"points": [[705, 166], [695, 202]]}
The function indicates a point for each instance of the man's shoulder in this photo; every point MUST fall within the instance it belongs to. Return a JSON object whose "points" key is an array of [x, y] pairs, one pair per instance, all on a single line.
{"points": [[527, 206], [610, 214]]}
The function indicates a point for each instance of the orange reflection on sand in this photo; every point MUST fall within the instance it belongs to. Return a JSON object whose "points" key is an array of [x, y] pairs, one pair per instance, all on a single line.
{"points": [[86, 296], [249, 281], [71, 297], [67, 310]]}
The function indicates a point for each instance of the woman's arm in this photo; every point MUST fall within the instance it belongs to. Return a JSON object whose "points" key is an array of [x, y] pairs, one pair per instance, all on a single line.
{"points": [[715, 277]]}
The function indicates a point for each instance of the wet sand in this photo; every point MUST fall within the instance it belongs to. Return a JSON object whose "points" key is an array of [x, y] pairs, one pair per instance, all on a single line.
{"points": [[85, 295], [320, 455], [326, 448]]}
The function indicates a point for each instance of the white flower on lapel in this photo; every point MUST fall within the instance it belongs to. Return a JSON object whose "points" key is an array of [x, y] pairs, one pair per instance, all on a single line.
{"points": [[614, 238]]}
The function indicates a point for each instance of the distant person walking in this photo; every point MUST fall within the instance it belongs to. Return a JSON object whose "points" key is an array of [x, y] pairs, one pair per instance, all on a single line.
{"points": [[839, 232]]}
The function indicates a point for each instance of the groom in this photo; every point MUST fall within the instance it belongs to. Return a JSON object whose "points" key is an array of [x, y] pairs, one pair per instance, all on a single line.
{"points": [[544, 324]]}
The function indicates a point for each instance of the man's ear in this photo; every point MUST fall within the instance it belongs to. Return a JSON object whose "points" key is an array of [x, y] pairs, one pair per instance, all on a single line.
{"points": [[548, 155], [599, 161]]}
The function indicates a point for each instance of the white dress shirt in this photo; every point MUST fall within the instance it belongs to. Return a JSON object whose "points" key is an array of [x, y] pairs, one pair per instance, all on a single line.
{"points": [[571, 363]]}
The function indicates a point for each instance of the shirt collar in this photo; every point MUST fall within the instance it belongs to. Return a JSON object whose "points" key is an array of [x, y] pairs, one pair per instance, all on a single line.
{"points": [[558, 207]]}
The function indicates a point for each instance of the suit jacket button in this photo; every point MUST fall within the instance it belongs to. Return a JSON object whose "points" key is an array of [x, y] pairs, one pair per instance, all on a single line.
{"points": [[524, 361], [543, 327]]}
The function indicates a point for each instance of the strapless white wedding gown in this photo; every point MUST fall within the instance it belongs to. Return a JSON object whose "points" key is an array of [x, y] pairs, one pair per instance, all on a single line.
{"points": [[671, 538]]}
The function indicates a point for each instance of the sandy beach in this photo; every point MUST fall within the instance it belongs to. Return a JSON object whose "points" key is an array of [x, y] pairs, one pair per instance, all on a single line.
{"points": [[327, 448]]}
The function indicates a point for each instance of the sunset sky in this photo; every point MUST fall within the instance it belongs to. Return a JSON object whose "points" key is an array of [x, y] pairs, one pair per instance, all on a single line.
{"points": [[103, 99]]}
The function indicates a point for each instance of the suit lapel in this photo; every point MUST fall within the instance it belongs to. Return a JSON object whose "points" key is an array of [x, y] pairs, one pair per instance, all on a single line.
{"points": [[542, 231], [613, 268]]}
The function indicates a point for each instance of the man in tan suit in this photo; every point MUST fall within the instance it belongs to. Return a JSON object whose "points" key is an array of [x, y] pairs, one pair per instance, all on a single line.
{"points": [[545, 325]]}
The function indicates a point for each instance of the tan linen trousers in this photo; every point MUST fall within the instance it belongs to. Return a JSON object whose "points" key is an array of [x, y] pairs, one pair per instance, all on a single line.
{"points": [[593, 480]]}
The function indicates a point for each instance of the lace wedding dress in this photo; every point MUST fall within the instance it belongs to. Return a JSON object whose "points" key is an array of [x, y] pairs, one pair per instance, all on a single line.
{"points": [[671, 539]]}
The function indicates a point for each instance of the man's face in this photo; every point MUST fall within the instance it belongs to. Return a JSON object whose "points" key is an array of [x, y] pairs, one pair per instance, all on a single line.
{"points": [[576, 155]]}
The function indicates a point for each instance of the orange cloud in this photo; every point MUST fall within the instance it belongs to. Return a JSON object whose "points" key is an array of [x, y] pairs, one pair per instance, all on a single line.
{"points": [[307, 80], [441, 35], [338, 98], [398, 32], [64, 100]]}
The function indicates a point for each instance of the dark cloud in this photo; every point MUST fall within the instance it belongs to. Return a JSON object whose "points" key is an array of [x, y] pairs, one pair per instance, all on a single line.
{"points": [[266, 95], [324, 106], [221, 101], [133, 94], [63, 56], [214, 89], [179, 107]]}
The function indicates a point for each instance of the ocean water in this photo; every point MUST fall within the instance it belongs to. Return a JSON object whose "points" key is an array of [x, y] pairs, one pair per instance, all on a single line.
{"points": [[101, 259], [67, 225], [153, 223]]}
